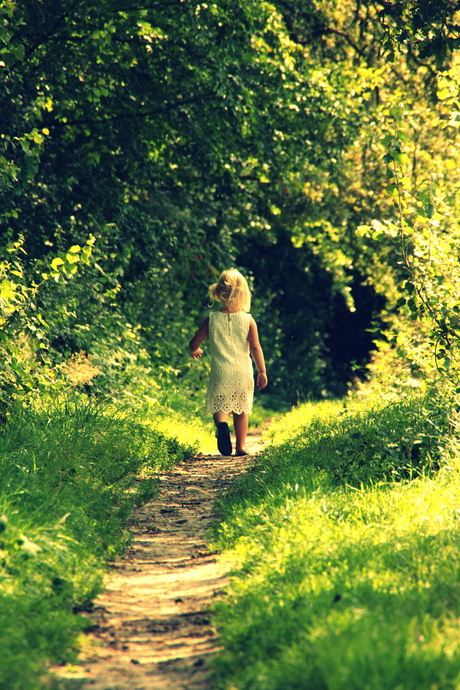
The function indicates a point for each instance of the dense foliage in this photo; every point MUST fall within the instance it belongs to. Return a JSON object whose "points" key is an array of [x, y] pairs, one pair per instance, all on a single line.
{"points": [[179, 138]]}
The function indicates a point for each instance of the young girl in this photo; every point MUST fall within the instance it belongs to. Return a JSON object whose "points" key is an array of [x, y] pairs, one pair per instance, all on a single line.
{"points": [[232, 336]]}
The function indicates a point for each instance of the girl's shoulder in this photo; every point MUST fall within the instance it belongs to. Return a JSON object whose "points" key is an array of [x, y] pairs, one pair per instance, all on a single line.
{"points": [[235, 314], [243, 316]]}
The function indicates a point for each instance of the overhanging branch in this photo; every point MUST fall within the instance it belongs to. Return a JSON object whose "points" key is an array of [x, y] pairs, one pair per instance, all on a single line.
{"points": [[132, 115]]}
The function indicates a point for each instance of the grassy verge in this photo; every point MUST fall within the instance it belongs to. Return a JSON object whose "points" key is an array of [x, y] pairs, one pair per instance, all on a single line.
{"points": [[69, 477], [346, 561]]}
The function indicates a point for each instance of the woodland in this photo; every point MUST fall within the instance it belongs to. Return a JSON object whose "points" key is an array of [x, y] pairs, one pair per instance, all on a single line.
{"points": [[145, 147]]}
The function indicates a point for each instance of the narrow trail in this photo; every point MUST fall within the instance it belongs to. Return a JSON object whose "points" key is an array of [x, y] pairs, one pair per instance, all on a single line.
{"points": [[152, 625]]}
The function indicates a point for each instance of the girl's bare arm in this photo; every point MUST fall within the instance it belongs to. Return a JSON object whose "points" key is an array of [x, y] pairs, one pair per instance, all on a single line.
{"points": [[201, 335], [257, 355]]}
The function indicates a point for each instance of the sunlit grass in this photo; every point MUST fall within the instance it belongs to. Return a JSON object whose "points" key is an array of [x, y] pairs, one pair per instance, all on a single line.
{"points": [[69, 478], [188, 429], [347, 589], [191, 431], [338, 587], [301, 416]]}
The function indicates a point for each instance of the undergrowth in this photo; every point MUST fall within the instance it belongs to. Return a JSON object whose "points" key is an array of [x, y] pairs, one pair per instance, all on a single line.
{"points": [[69, 478], [344, 544]]}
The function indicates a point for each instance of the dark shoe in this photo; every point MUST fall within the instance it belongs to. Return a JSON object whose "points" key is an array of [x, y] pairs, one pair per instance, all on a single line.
{"points": [[224, 443], [240, 453]]}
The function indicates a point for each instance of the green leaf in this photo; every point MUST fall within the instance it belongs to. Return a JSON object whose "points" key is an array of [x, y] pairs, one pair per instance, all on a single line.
{"points": [[411, 303], [72, 258], [56, 263], [401, 158], [8, 58], [38, 138], [19, 52], [443, 94]]}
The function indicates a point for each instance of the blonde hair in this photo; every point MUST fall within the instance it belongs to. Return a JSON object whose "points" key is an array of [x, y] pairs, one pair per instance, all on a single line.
{"points": [[231, 290]]}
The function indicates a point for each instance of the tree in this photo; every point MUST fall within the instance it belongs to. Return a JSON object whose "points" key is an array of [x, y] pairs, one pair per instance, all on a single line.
{"points": [[186, 137]]}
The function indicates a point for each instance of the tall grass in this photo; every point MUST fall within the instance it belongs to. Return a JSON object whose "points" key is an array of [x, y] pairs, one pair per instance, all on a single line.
{"points": [[346, 562], [68, 481]]}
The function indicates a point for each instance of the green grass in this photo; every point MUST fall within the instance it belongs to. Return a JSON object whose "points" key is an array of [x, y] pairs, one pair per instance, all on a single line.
{"points": [[345, 572], [290, 424], [362, 441], [181, 424], [68, 481]]}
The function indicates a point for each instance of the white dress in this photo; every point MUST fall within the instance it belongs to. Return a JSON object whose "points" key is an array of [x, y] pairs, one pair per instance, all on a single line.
{"points": [[231, 383]]}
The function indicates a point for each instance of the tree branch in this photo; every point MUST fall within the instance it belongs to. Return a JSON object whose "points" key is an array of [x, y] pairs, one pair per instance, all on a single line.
{"points": [[131, 115], [151, 7], [329, 30], [318, 29]]}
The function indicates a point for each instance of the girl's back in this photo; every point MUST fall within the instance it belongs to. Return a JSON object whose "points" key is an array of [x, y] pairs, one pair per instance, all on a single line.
{"points": [[231, 382], [228, 338]]}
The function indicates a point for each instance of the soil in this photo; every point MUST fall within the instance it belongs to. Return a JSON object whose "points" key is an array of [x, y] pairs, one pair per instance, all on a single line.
{"points": [[153, 627]]}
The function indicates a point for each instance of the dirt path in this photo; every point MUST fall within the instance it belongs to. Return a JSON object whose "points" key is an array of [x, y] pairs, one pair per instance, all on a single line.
{"points": [[153, 628]]}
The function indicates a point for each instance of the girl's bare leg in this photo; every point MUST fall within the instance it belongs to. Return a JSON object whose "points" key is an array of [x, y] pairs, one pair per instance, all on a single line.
{"points": [[240, 422], [220, 417]]}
